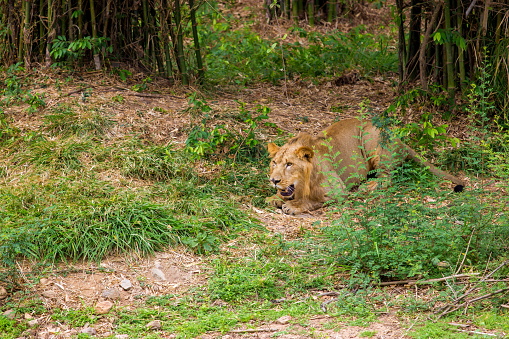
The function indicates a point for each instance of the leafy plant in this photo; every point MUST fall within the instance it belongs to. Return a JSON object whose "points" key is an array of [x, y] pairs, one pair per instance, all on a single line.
{"points": [[427, 135], [64, 50], [205, 141]]}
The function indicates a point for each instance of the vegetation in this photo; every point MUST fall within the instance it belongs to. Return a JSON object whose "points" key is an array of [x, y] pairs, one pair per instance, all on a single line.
{"points": [[80, 182]]}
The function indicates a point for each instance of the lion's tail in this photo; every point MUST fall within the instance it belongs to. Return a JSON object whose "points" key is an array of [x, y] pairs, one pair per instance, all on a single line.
{"points": [[460, 184]]}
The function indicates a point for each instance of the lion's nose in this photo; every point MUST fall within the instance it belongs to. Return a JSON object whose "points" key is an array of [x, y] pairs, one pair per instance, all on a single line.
{"points": [[275, 181]]}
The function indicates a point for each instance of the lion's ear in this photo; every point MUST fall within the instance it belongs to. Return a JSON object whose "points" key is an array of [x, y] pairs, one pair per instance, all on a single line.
{"points": [[305, 153], [272, 148]]}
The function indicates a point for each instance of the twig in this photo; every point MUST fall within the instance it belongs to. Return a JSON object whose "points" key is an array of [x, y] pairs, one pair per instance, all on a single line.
{"points": [[252, 330], [450, 308], [323, 306], [477, 332], [466, 252], [482, 280], [418, 282], [469, 9]]}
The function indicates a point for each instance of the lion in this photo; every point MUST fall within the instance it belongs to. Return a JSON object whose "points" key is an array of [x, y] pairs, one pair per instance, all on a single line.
{"points": [[306, 168]]}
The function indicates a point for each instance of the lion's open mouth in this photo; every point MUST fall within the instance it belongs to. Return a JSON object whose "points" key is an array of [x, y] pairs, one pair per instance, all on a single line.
{"points": [[288, 191]]}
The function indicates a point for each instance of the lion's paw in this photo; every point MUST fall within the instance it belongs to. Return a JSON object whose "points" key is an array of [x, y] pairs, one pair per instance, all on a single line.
{"points": [[275, 200]]}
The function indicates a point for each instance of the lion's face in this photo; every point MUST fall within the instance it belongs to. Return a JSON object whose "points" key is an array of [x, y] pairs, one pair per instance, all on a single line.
{"points": [[290, 169]]}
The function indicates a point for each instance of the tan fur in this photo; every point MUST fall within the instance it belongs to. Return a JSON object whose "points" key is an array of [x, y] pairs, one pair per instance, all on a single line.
{"points": [[305, 168]]}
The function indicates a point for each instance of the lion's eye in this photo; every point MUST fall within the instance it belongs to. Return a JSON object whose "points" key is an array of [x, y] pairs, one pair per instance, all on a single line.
{"points": [[274, 164], [289, 164]]}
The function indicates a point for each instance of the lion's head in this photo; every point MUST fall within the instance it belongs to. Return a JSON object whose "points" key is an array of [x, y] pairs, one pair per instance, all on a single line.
{"points": [[291, 167]]}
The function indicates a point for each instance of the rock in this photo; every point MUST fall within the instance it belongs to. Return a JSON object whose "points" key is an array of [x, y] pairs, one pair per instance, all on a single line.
{"points": [[103, 307], [33, 323], [154, 325], [110, 293], [122, 336], [45, 282], [49, 294], [3, 293], [9, 314], [158, 274], [126, 284], [89, 331], [284, 320]]}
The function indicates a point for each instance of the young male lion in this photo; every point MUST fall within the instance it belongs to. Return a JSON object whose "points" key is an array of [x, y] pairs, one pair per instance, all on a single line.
{"points": [[304, 169]]}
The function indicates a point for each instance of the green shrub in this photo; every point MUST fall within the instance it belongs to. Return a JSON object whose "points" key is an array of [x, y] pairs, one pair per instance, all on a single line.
{"points": [[411, 230]]}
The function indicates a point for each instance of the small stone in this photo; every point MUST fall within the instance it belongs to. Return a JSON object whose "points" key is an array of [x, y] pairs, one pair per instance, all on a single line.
{"points": [[158, 274], [111, 293], [103, 307], [89, 331], [33, 323], [9, 314], [3, 293], [122, 336], [154, 325], [45, 282], [284, 320], [126, 284], [49, 294]]}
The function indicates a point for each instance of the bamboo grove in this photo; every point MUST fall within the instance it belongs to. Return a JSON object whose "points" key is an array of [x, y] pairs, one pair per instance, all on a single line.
{"points": [[449, 43], [313, 11], [152, 34]]}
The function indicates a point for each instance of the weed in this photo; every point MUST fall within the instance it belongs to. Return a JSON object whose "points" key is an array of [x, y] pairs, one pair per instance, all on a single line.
{"points": [[220, 141], [65, 122], [367, 334], [118, 98], [55, 154], [153, 163], [75, 318], [10, 329], [8, 133]]}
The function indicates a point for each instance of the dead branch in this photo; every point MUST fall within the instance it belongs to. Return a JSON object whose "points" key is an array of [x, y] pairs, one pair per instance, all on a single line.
{"points": [[419, 282]]}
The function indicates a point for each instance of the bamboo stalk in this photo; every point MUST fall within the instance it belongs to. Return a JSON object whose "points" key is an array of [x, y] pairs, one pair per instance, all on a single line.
{"points": [[311, 12], [199, 62], [165, 20], [80, 19], [180, 44], [449, 65], [51, 31], [331, 10], [95, 51], [425, 40], [401, 40], [295, 10], [26, 41]]}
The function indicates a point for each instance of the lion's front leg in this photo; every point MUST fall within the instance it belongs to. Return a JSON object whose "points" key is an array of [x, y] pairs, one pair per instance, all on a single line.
{"points": [[275, 200], [300, 206]]}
